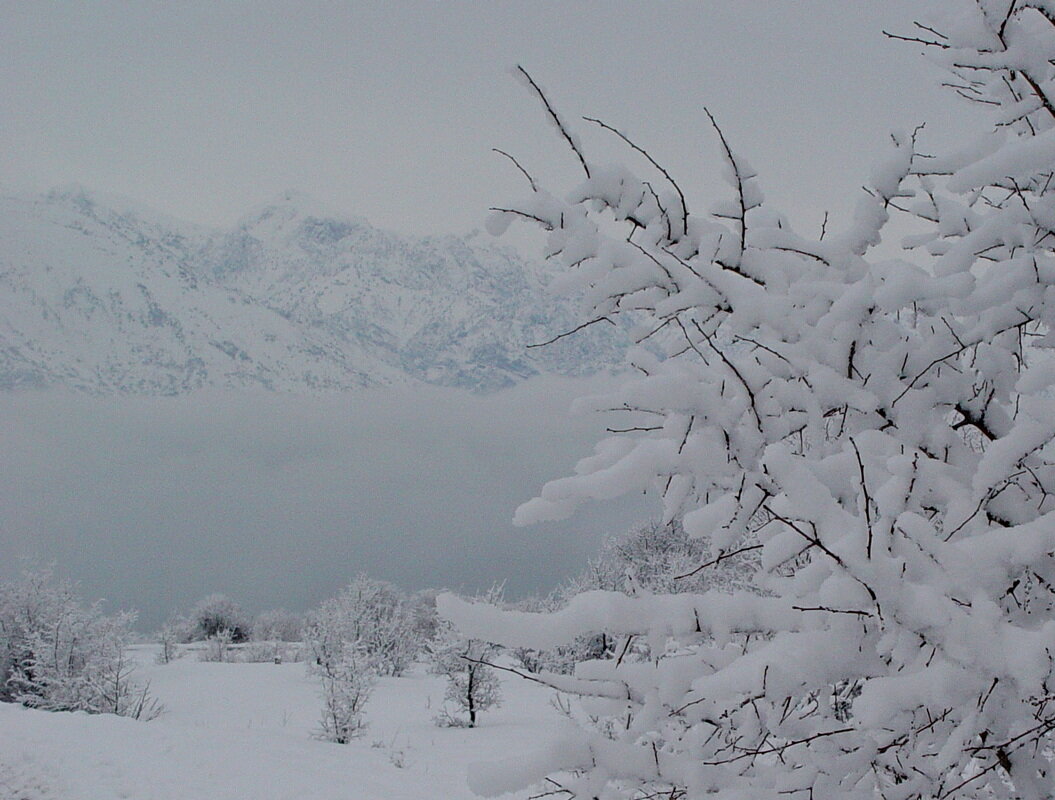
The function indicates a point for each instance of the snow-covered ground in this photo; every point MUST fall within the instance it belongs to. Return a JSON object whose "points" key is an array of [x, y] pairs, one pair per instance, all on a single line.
{"points": [[245, 732]]}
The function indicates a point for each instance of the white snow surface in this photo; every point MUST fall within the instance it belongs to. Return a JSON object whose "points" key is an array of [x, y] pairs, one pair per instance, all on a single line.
{"points": [[237, 731]]}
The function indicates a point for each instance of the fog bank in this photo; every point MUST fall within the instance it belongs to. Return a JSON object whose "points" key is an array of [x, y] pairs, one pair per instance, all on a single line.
{"points": [[278, 500]]}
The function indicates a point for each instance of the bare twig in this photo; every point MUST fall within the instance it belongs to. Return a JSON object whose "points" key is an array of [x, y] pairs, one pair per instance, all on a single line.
{"points": [[739, 181], [556, 119], [576, 329], [546, 225], [534, 186], [916, 39], [719, 560], [867, 498]]}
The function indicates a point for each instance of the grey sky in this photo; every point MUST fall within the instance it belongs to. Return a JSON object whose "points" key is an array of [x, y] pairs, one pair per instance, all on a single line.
{"points": [[389, 109]]}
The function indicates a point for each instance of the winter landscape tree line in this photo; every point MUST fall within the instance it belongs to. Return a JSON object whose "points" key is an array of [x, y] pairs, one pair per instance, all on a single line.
{"points": [[59, 653]]}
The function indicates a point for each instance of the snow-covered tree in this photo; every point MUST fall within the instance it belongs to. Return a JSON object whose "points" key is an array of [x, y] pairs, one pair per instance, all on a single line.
{"points": [[59, 654], [376, 618], [217, 647], [877, 432], [659, 558], [346, 686], [176, 630], [215, 613], [561, 658], [277, 625], [422, 610], [346, 672], [472, 685], [366, 630]]}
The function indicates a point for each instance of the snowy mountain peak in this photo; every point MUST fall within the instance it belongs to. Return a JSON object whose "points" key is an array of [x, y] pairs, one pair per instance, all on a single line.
{"points": [[102, 294], [294, 214]]}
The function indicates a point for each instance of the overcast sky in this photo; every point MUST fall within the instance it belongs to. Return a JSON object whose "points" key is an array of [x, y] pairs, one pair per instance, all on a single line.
{"points": [[389, 109]]}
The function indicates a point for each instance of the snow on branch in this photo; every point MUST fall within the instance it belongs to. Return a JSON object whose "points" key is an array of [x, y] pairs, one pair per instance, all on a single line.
{"points": [[619, 614], [872, 437]]}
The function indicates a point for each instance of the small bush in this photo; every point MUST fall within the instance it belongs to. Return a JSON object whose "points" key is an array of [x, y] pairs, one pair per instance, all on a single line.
{"points": [[472, 685], [347, 682], [217, 647], [267, 652], [278, 625], [216, 613]]}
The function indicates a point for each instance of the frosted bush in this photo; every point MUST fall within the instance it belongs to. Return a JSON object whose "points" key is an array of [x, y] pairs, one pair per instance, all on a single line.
{"points": [[344, 671], [267, 652], [217, 647], [372, 616], [215, 613], [472, 685], [169, 637], [346, 687], [653, 558], [278, 625]]}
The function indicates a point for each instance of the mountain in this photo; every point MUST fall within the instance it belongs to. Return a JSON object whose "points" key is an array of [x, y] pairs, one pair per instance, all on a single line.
{"points": [[100, 295]]}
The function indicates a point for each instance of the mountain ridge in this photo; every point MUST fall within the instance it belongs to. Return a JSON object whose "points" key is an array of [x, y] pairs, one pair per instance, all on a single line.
{"points": [[104, 295]]}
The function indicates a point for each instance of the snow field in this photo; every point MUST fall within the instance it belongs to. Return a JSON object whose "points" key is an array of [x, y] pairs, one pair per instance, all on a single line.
{"points": [[245, 732]]}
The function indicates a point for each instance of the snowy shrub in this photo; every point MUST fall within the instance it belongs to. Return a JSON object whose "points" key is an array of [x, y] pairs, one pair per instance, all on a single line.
{"points": [[561, 658], [59, 654], [877, 432], [258, 653], [215, 613], [349, 640], [267, 652], [472, 685], [346, 686], [424, 621], [169, 637], [278, 625], [217, 647], [661, 558], [346, 675], [371, 616]]}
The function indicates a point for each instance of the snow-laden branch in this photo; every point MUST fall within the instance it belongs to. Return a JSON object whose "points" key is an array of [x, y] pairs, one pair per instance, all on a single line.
{"points": [[875, 434]]}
